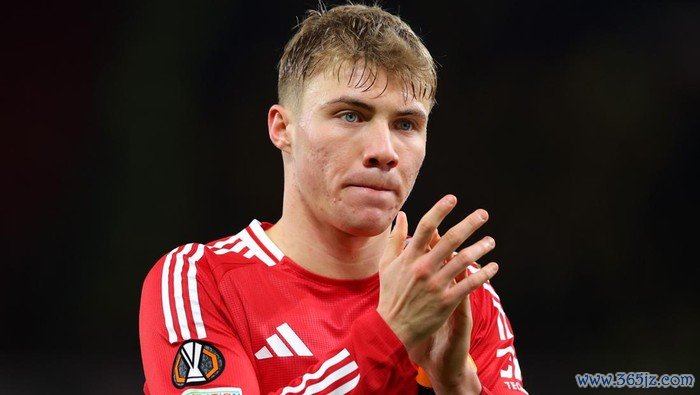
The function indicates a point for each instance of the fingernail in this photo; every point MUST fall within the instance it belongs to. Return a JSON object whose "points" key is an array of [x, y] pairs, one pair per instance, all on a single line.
{"points": [[451, 199]]}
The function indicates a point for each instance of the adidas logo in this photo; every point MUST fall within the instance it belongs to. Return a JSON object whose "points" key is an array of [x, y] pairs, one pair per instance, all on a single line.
{"points": [[279, 347]]}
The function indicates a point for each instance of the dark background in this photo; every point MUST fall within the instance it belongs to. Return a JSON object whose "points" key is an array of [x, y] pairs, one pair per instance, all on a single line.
{"points": [[132, 127]]}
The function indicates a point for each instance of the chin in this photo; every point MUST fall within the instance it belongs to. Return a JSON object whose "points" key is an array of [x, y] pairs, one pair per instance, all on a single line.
{"points": [[367, 224]]}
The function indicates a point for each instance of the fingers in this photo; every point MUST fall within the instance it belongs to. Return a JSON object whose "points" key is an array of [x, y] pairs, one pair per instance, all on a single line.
{"points": [[462, 318], [459, 263], [473, 281], [435, 239], [429, 223], [396, 239], [454, 237], [463, 274]]}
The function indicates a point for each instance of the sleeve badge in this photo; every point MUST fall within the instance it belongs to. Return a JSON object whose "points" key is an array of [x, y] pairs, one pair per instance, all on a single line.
{"points": [[196, 363]]}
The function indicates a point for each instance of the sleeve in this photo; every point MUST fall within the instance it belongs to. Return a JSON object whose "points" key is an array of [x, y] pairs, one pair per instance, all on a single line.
{"points": [[492, 346], [189, 347], [180, 354]]}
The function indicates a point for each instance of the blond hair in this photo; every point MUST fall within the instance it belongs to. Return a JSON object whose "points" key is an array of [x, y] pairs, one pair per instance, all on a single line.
{"points": [[363, 37]]}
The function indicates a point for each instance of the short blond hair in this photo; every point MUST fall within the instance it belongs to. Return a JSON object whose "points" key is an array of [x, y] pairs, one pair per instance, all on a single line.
{"points": [[363, 37]]}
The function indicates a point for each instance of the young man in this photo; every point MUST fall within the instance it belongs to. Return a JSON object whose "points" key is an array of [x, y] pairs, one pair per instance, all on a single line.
{"points": [[330, 299]]}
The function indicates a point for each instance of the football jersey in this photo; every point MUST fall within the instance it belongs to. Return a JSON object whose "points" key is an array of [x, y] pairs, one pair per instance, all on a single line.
{"points": [[236, 316]]}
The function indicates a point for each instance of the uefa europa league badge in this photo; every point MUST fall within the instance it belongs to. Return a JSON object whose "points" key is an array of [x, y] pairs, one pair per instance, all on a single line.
{"points": [[196, 363]]}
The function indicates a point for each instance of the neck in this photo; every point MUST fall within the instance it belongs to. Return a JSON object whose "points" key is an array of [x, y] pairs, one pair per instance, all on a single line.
{"points": [[324, 249]]}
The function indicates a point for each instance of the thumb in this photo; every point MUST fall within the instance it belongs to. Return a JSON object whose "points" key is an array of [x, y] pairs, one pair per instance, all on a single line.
{"points": [[396, 239]]}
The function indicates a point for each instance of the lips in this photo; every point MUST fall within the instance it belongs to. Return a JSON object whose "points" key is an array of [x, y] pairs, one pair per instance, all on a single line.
{"points": [[374, 184], [373, 187]]}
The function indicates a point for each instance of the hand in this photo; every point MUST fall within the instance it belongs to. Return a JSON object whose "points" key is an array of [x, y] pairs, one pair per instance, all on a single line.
{"points": [[417, 292], [444, 355]]}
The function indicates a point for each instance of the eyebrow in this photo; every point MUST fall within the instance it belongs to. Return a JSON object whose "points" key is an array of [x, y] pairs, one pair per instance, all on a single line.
{"points": [[359, 103]]}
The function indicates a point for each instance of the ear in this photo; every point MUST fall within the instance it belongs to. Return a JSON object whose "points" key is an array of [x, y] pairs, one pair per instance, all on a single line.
{"points": [[278, 126]]}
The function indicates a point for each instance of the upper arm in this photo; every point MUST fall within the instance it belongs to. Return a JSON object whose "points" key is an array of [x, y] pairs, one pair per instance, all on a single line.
{"points": [[492, 347], [186, 337]]}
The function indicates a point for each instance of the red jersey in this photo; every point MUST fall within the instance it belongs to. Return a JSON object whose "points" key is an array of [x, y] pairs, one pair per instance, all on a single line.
{"points": [[236, 316]]}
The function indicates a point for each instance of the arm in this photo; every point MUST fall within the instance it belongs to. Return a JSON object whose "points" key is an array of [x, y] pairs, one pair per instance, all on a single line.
{"points": [[182, 352], [186, 340], [425, 300], [492, 345]]}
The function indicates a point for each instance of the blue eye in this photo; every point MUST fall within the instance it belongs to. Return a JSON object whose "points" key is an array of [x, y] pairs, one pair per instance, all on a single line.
{"points": [[405, 125], [350, 117]]}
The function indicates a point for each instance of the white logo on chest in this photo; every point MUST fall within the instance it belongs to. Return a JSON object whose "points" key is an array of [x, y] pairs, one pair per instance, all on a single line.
{"points": [[281, 348]]}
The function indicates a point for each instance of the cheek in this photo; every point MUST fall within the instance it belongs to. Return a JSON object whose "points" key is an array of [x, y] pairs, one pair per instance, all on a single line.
{"points": [[413, 158], [316, 167]]}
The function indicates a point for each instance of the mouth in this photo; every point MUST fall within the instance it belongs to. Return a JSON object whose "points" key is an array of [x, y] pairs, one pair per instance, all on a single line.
{"points": [[372, 187]]}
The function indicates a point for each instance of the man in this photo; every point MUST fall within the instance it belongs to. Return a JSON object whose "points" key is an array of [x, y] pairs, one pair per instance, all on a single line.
{"points": [[330, 299]]}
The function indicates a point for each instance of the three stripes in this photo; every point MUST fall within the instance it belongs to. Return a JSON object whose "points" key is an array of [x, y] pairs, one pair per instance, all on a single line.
{"points": [[184, 261], [178, 295], [253, 238], [280, 348]]}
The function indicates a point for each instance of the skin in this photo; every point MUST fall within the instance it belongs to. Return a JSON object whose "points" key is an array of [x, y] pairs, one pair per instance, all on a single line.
{"points": [[351, 155], [338, 138]]}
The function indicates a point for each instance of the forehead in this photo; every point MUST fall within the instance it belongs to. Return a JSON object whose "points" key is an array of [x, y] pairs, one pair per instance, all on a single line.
{"points": [[362, 83]]}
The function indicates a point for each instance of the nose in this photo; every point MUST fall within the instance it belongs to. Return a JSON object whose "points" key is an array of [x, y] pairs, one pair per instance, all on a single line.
{"points": [[379, 149]]}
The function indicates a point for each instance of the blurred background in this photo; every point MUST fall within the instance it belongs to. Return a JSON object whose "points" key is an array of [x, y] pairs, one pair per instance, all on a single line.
{"points": [[132, 127]]}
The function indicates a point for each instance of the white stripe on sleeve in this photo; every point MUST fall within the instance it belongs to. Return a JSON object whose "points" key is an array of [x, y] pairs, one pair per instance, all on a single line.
{"points": [[492, 291], [222, 243], [165, 298], [177, 289], [194, 295]]}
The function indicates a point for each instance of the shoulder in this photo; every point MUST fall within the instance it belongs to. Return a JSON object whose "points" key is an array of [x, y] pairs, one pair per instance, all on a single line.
{"points": [[485, 302], [250, 245], [486, 292], [183, 288], [207, 263], [487, 310]]}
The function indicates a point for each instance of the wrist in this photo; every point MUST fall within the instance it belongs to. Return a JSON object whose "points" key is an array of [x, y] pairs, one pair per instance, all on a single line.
{"points": [[402, 332], [466, 384]]}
